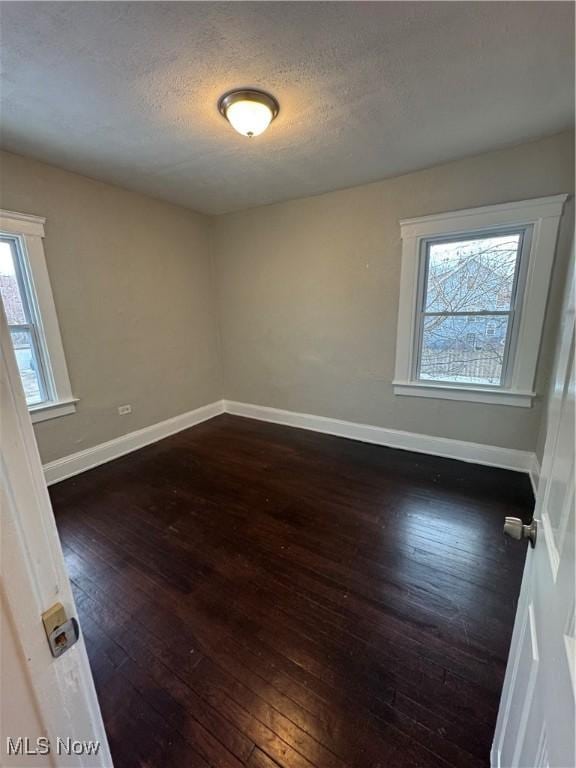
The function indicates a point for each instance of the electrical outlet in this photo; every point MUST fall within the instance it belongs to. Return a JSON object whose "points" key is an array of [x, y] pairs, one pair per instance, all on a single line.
{"points": [[124, 409]]}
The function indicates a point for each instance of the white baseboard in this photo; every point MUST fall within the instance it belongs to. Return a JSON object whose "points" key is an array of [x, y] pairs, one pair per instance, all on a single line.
{"points": [[476, 453], [60, 469]]}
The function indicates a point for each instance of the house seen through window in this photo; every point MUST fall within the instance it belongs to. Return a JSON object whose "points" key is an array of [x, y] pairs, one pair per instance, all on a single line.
{"points": [[19, 306], [467, 312], [31, 317]]}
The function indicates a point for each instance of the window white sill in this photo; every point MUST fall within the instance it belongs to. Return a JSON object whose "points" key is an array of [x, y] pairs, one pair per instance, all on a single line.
{"points": [[467, 394], [53, 410]]}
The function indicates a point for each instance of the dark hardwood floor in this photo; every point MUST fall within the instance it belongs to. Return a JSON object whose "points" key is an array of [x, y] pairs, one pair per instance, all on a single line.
{"points": [[257, 595]]}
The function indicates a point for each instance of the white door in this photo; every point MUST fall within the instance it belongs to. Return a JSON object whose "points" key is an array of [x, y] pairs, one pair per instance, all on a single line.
{"points": [[536, 721], [48, 707]]}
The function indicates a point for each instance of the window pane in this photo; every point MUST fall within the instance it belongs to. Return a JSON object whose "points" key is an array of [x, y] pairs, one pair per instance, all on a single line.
{"points": [[28, 366], [463, 349], [472, 275], [9, 288]]}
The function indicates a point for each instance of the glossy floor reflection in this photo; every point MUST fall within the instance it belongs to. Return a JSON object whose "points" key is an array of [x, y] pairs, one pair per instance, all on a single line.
{"points": [[257, 595]]}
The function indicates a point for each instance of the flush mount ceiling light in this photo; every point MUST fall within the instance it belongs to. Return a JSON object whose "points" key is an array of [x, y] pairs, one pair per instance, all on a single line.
{"points": [[249, 112]]}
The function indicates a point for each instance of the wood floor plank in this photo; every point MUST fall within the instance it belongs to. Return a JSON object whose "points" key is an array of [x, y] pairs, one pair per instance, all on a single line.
{"points": [[263, 596], [232, 610]]}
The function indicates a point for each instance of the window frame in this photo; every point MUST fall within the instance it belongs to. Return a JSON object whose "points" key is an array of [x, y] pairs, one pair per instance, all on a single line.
{"points": [[28, 232], [29, 306], [525, 233], [538, 220]]}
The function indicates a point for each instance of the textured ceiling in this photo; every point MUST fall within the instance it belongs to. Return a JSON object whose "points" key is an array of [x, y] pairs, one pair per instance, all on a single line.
{"points": [[127, 92]]}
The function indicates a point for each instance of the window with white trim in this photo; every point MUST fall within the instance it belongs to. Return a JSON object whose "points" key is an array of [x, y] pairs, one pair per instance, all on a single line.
{"points": [[468, 310], [473, 298], [31, 315]]}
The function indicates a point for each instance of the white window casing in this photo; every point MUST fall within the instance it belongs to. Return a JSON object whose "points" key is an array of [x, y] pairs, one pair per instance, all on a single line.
{"points": [[29, 230], [540, 219]]}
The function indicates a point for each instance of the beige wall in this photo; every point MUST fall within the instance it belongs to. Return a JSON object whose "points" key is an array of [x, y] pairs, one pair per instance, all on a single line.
{"points": [[308, 294], [133, 285], [307, 298]]}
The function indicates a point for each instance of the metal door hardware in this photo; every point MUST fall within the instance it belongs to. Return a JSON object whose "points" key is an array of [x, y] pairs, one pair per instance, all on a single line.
{"points": [[515, 528], [61, 632]]}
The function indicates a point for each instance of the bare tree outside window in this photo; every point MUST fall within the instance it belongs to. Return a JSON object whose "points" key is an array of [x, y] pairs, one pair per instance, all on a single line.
{"points": [[467, 309], [17, 304]]}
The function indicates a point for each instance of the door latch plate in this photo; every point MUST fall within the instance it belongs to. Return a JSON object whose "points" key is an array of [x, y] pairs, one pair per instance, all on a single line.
{"points": [[61, 632]]}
